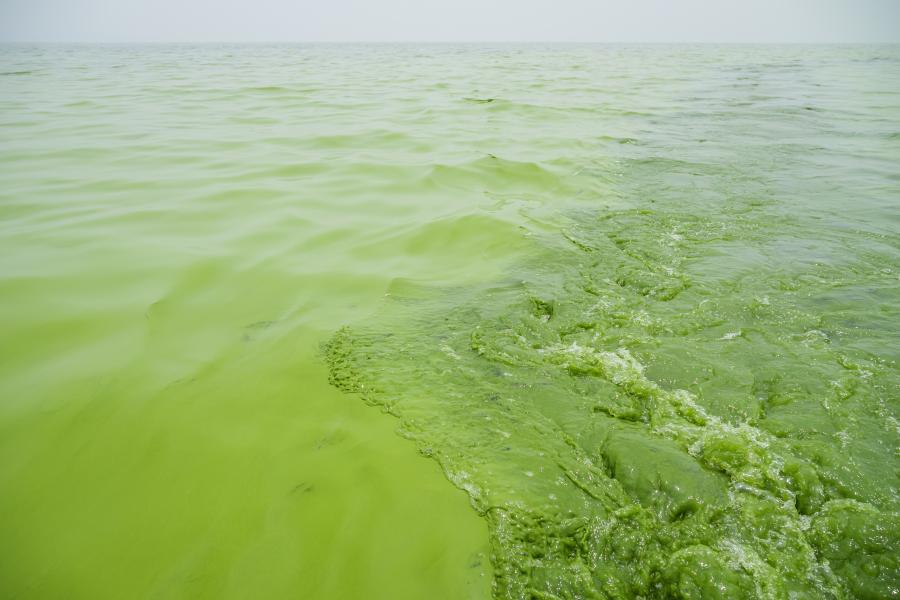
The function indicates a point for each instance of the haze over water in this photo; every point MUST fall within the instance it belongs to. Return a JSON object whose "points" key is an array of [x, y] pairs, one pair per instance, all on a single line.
{"points": [[637, 306]]}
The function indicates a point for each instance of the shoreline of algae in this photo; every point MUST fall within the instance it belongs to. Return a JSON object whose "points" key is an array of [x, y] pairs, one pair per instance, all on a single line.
{"points": [[633, 420]]}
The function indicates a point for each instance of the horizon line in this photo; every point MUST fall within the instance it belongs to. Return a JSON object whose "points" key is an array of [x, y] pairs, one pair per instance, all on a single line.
{"points": [[457, 42]]}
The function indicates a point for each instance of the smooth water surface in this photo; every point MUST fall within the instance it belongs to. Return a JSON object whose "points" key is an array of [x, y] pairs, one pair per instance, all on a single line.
{"points": [[639, 303]]}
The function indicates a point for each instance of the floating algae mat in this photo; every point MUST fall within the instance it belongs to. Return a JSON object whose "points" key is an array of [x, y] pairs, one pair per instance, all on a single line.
{"points": [[640, 305], [632, 423]]}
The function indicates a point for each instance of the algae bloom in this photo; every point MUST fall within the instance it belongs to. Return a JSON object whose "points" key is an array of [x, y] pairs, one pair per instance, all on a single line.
{"points": [[638, 305]]}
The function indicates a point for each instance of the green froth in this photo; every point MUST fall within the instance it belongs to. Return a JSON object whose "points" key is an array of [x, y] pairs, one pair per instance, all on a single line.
{"points": [[634, 423]]}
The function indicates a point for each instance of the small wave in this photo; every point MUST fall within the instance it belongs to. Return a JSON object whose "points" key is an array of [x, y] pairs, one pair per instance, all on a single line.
{"points": [[493, 173]]}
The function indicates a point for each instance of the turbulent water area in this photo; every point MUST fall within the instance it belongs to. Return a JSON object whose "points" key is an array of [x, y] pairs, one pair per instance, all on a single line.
{"points": [[639, 304]]}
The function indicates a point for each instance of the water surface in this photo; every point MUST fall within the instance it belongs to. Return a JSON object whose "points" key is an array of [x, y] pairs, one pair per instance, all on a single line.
{"points": [[639, 303]]}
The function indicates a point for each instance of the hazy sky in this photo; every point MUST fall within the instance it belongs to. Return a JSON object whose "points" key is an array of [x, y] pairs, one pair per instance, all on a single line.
{"points": [[451, 20]]}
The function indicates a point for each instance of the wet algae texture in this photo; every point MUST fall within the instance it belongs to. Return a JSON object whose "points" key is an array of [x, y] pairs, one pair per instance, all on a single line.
{"points": [[659, 402]]}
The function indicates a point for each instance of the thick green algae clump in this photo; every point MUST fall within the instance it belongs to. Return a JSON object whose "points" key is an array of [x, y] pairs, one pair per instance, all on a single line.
{"points": [[631, 426], [690, 394]]}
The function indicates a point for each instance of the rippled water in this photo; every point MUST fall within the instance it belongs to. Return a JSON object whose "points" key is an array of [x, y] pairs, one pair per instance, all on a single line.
{"points": [[639, 303]]}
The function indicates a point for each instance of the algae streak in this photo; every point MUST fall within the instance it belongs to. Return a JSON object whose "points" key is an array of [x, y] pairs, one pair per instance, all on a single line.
{"points": [[655, 406]]}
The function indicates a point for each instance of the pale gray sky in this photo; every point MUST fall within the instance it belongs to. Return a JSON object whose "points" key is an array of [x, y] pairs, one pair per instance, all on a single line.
{"points": [[450, 20]]}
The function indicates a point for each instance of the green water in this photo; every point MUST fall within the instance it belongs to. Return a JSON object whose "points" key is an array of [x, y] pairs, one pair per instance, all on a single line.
{"points": [[638, 304]]}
